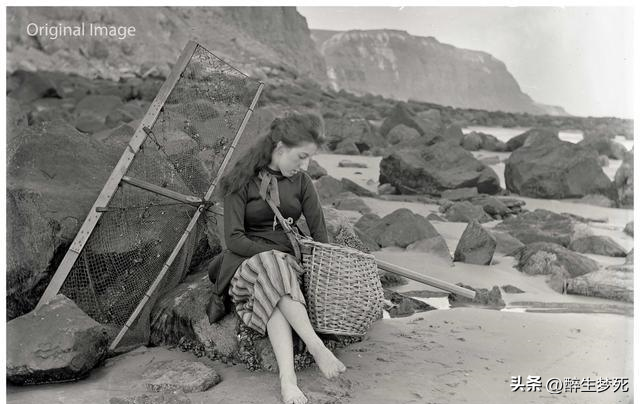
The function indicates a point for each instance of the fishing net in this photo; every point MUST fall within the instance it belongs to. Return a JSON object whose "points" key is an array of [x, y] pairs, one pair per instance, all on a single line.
{"points": [[139, 229]]}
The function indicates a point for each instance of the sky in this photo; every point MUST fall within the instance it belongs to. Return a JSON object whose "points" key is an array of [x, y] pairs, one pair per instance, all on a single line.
{"points": [[580, 58]]}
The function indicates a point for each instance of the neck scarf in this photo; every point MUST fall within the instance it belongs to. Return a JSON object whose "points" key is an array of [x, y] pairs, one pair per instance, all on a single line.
{"points": [[269, 187]]}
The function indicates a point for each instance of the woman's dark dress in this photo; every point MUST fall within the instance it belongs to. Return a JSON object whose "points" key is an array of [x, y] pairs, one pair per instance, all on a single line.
{"points": [[248, 223]]}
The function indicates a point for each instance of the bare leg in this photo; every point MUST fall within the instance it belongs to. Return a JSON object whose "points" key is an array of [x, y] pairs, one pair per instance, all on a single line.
{"points": [[296, 314], [279, 332]]}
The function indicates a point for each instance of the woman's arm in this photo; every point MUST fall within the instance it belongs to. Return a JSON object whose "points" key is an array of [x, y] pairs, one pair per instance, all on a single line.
{"points": [[234, 232], [312, 210]]}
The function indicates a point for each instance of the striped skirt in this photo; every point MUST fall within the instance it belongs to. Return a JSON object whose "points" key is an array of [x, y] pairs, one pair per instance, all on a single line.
{"points": [[258, 285]]}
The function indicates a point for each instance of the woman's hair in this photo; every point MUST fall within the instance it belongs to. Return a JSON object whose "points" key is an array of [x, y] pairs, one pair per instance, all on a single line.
{"points": [[292, 130]]}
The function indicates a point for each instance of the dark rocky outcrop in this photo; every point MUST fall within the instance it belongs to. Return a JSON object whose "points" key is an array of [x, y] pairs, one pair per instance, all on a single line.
{"points": [[518, 141], [610, 283], [552, 259], [328, 188], [476, 245], [401, 228], [402, 133], [402, 305], [351, 186], [605, 147], [484, 297], [601, 245], [545, 167], [57, 342], [505, 243], [540, 225], [434, 169], [434, 245], [478, 140]]}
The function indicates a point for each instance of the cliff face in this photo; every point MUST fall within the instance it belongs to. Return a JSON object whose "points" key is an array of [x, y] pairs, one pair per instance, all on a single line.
{"points": [[398, 65], [248, 37]]}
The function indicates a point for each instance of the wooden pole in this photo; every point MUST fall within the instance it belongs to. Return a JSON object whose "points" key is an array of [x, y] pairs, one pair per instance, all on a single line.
{"points": [[427, 280]]}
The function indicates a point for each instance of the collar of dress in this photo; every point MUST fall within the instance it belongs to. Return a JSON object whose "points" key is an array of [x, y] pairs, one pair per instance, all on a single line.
{"points": [[268, 179]]}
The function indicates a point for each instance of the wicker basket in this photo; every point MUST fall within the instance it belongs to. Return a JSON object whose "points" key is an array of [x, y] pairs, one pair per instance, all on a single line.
{"points": [[343, 291]]}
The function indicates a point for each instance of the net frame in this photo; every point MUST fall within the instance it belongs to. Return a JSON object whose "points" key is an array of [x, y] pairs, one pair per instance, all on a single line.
{"points": [[172, 197]]}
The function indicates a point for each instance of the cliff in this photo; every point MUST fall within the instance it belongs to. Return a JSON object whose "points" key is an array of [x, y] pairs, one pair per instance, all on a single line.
{"points": [[401, 66], [251, 38]]}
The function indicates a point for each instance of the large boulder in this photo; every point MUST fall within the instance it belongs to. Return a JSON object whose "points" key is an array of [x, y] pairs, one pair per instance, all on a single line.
{"points": [[92, 111], [352, 203], [610, 283], [466, 212], [57, 342], [358, 132], [453, 134], [351, 186], [54, 174], [505, 243], [435, 245], [518, 141], [624, 181], [328, 188], [179, 316], [552, 259], [545, 167], [472, 141], [347, 146], [476, 245], [601, 245], [434, 169], [402, 133], [401, 228], [540, 225], [605, 147]]}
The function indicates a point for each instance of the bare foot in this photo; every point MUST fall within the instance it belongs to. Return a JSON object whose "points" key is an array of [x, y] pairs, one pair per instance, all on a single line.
{"points": [[291, 394], [329, 365]]}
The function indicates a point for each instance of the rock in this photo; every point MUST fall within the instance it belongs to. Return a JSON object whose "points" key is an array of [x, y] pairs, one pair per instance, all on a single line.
{"points": [[430, 119], [434, 169], [543, 258], [491, 298], [605, 283], [624, 181], [328, 188], [459, 194], [493, 206], [386, 189], [352, 203], [351, 164], [180, 315], [351, 186], [453, 134], [432, 216], [601, 245], [92, 111], [29, 86], [402, 133], [597, 200], [472, 141], [401, 228], [347, 146], [545, 167], [518, 141], [605, 147], [491, 143], [174, 397], [603, 161], [505, 243], [367, 221], [358, 131], [57, 342], [511, 289], [476, 245], [54, 174], [628, 228], [466, 212], [434, 245], [540, 225], [315, 171], [17, 118], [402, 115], [388, 279], [404, 306], [125, 113], [179, 375], [368, 241]]}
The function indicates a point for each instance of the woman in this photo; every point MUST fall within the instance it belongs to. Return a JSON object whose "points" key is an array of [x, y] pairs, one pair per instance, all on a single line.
{"points": [[257, 268]]}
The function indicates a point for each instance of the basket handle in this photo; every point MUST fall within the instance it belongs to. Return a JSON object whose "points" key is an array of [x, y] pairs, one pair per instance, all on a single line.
{"points": [[289, 231]]}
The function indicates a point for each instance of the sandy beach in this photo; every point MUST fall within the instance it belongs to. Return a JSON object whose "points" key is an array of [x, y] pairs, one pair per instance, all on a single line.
{"points": [[450, 355]]}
